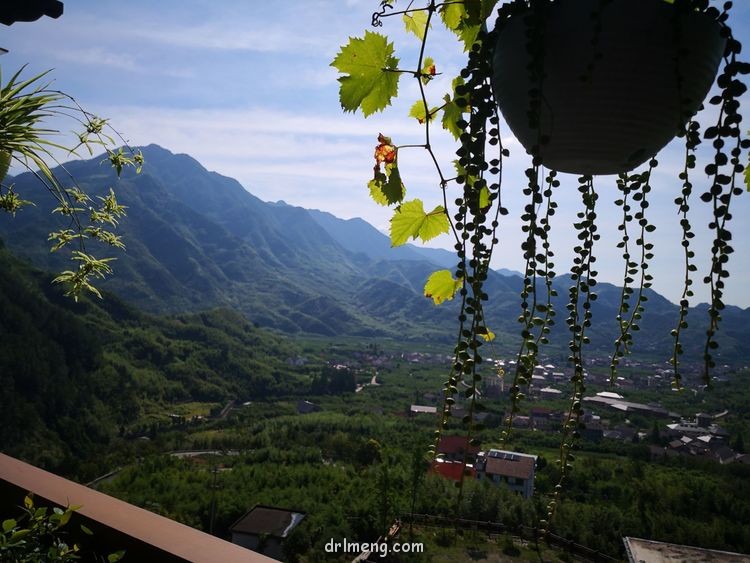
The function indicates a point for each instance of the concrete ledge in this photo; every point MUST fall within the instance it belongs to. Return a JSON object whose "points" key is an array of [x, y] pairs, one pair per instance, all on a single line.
{"points": [[116, 524]]}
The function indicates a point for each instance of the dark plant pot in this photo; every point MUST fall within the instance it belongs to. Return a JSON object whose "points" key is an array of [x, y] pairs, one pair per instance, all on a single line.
{"points": [[609, 99]]}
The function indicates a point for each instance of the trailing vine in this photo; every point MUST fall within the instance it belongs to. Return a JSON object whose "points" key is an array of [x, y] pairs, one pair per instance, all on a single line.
{"points": [[722, 173], [692, 140], [639, 185], [471, 203], [581, 297]]}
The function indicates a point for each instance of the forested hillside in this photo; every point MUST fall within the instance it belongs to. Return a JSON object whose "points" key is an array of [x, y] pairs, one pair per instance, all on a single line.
{"points": [[74, 376]]}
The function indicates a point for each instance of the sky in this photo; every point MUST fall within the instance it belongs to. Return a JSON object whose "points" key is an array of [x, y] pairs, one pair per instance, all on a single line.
{"points": [[246, 88]]}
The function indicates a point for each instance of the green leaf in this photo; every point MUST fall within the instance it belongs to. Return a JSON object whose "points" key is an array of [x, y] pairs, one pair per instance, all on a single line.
{"points": [[411, 221], [8, 525], [451, 115], [486, 333], [428, 70], [416, 23], [376, 189], [466, 18], [86, 530], [441, 286], [387, 190], [394, 189], [418, 112], [747, 177], [18, 536], [65, 517], [435, 224], [406, 222], [452, 112], [116, 556], [453, 14], [369, 84], [484, 197]]}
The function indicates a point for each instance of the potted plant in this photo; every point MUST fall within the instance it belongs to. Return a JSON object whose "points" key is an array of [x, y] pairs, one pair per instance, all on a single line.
{"points": [[625, 69], [618, 78]]}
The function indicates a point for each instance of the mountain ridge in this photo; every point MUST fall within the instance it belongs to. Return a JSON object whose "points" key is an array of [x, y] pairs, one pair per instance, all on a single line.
{"points": [[197, 239]]}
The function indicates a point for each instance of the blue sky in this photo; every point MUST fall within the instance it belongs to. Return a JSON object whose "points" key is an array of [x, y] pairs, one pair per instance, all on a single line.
{"points": [[246, 88]]}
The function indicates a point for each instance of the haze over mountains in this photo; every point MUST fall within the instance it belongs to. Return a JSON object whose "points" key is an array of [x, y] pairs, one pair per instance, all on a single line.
{"points": [[196, 239]]}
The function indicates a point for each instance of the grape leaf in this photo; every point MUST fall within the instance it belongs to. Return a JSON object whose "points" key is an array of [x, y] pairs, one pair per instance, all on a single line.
{"points": [[435, 224], [468, 34], [416, 23], [466, 18], [451, 115], [369, 84], [441, 286], [452, 14], [394, 189], [387, 189], [428, 70], [417, 111], [411, 221], [376, 188]]}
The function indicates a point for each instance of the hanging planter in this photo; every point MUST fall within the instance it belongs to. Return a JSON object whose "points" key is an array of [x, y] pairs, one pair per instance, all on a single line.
{"points": [[599, 86]]}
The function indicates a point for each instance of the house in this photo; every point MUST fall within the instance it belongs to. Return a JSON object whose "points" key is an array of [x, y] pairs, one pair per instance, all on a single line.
{"points": [[543, 418], [639, 550], [550, 393], [515, 469], [456, 448], [451, 469], [421, 409], [539, 379], [306, 407], [724, 455], [704, 419], [264, 528], [493, 386], [520, 421]]}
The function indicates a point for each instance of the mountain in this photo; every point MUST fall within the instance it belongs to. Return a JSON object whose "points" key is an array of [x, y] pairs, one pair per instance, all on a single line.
{"points": [[358, 236], [196, 239], [80, 373]]}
